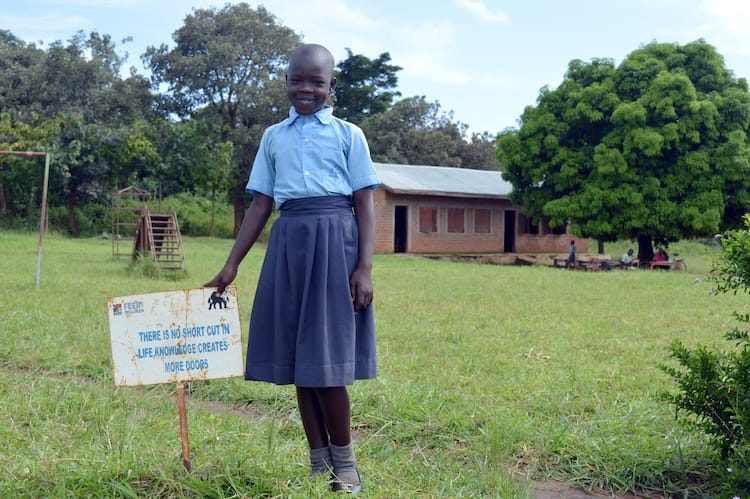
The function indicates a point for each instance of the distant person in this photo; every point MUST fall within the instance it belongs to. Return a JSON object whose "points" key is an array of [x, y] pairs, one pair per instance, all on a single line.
{"points": [[627, 258], [572, 255], [661, 256], [312, 323]]}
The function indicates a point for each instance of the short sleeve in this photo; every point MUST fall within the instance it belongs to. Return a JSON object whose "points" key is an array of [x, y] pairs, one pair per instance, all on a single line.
{"points": [[264, 170], [361, 170]]}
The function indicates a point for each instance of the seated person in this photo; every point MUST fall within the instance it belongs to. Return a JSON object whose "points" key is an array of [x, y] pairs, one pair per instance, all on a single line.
{"points": [[661, 256], [626, 260]]}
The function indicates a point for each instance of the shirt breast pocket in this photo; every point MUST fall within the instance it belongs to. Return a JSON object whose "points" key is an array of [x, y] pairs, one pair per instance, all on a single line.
{"points": [[333, 164]]}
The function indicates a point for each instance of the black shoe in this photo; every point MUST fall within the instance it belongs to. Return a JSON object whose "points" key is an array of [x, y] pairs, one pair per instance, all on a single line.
{"points": [[349, 488]]}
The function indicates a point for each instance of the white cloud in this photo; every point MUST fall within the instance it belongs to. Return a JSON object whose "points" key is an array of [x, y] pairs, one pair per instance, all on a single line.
{"points": [[484, 12], [332, 23], [729, 20], [45, 29], [425, 51], [321, 15], [733, 15], [67, 24]]}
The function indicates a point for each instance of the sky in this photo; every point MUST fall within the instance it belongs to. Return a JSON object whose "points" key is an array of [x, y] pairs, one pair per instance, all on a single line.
{"points": [[482, 60]]}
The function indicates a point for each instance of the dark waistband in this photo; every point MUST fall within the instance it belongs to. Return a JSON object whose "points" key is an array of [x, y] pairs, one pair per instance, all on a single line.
{"points": [[319, 204]]}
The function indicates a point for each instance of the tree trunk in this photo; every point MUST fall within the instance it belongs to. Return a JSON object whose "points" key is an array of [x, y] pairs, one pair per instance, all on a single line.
{"points": [[239, 211], [70, 206], [645, 249], [213, 212], [600, 246], [3, 202]]}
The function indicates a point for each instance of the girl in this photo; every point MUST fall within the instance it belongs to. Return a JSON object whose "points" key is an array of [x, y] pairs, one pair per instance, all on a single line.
{"points": [[312, 322]]}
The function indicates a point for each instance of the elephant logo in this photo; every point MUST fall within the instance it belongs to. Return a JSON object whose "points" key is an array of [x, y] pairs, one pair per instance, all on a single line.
{"points": [[218, 300]]}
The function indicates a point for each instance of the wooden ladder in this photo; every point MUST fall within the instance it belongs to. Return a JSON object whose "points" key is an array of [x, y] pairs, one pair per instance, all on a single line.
{"points": [[158, 236]]}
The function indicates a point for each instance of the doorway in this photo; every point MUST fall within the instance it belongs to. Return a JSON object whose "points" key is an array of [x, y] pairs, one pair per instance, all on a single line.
{"points": [[509, 236], [400, 229]]}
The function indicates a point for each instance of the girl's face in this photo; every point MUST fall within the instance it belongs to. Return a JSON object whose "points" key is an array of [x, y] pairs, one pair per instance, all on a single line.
{"points": [[309, 81]]}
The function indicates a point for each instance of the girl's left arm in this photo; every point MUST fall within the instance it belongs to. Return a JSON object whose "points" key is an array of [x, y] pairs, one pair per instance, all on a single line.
{"points": [[361, 280]]}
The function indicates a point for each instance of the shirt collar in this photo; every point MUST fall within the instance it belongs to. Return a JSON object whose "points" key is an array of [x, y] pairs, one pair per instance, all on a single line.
{"points": [[324, 115]]}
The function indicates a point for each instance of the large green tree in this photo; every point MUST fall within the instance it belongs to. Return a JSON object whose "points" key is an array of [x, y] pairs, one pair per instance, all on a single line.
{"points": [[364, 87], [655, 149], [75, 93], [79, 76], [227, 68], [415, 131], [21, 177]]}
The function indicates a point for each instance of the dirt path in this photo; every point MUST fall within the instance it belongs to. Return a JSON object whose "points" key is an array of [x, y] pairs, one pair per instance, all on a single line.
{"points": [[540, 490], [558, 490]]}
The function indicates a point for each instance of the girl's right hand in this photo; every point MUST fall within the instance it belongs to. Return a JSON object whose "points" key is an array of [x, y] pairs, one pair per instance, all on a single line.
{"points": [[223, 279]]}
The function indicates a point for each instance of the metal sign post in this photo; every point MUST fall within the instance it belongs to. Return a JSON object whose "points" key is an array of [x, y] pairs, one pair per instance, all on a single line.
{"points": [[184, 438], [43, 216]]}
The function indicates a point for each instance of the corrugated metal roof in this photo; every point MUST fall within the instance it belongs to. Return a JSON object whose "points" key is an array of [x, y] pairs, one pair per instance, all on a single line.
{"points": [[443, 181]]}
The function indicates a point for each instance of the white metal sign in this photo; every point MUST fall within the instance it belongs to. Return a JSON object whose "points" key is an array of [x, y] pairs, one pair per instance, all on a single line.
{"points": [[175, 336]]}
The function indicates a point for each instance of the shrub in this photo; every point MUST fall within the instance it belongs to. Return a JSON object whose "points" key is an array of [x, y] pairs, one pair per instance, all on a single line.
{"points": [[194, 215], [92, 218], [14, 222], [713, 387]]}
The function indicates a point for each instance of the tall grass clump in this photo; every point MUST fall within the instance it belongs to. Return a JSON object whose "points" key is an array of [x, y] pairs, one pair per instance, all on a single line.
{"points": [[713, 385]]}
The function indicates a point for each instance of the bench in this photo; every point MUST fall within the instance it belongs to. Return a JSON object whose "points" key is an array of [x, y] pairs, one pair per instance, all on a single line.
{"points": [[591, 262], [663, 265], [611, 264]]}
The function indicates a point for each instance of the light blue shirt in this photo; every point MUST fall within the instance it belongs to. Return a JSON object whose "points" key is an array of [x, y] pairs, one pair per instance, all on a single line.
{"points": [[312, 155]]}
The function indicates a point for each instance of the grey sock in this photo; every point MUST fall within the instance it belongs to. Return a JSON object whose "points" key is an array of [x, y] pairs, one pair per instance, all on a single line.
{"points": [[344, 464], [320, 461]]}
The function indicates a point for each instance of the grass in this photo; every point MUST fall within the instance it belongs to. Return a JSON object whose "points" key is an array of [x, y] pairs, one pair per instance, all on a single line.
{"points": [[489, 376]]}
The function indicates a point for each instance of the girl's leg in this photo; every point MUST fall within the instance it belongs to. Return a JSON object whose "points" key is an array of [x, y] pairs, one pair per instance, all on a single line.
{"points": [[334, 405], [326, 418], [315, 430], [312, 418], [336, 412]]}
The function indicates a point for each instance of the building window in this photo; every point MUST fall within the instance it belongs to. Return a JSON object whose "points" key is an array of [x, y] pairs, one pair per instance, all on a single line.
{"points": [[559, 230], [427, 219], [455, 219], [526, 225], [482, 220]]}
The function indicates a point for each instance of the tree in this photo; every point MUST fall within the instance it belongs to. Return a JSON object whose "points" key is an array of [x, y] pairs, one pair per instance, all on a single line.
{"points": [[75, 92], [19, 74], [227, 67], [363, 86], [416, 132], [81, 76], [655, 149], [20, 178], [208, 162]]}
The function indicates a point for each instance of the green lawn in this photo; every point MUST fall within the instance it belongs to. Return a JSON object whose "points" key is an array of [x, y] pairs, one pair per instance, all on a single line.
{"points": [[489, 375]]}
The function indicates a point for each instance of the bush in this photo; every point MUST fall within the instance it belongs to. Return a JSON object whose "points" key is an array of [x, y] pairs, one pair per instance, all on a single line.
{"points": [[194, 215], [13, 222], [713, 387], [92, 218]]}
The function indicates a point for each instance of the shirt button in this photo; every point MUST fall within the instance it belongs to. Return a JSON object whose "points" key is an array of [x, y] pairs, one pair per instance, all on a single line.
{"points": [[307, 173]]}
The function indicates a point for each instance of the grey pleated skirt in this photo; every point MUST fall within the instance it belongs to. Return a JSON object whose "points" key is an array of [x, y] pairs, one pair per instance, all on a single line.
{"points": [[303, 328]]}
